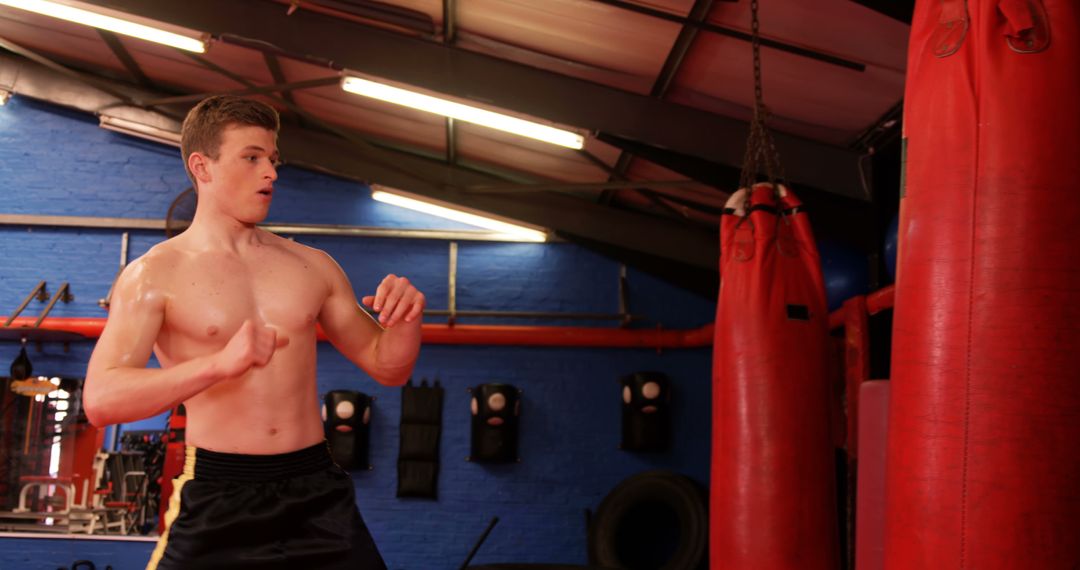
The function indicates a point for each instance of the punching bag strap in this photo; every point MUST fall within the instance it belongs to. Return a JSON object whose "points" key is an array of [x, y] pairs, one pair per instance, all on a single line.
{"points": [[744, 239], [1029, 28], [951, 28]]}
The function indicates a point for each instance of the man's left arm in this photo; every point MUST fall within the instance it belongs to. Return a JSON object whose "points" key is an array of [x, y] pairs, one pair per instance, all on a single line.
{"points": [[386, 349]]}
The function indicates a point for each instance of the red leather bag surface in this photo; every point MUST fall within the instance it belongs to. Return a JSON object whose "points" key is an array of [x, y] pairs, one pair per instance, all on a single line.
{"points": [[983, 462], [772, 497]]}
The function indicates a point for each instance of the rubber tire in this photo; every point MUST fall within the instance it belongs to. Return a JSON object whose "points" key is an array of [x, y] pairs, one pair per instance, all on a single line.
{"points": [[682, 494]]}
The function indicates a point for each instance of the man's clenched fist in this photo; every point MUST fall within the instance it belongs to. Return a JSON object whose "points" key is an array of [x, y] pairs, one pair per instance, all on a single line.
{"points": [[249, 347]]}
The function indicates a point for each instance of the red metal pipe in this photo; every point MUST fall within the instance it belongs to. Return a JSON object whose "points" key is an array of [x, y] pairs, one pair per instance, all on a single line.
{"points": [[856, 363], [856, 371], [91, 327], [880, 300], [568, 336], [503, 335], [854, 317]]}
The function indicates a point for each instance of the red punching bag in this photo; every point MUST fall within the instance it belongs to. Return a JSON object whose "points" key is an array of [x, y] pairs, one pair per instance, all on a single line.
{"points": [[983, 468], [772, 497]]}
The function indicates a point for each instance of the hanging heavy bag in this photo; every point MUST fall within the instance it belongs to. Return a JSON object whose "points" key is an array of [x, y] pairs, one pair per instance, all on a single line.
{"points": [[982, 461], [772, 494]]}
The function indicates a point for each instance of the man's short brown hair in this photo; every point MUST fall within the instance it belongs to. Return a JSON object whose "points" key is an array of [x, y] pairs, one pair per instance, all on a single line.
{"points": [[204, 124]]}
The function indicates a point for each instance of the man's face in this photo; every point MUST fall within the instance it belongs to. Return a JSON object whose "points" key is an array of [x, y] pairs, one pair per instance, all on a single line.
{"points": [[242, 177]]}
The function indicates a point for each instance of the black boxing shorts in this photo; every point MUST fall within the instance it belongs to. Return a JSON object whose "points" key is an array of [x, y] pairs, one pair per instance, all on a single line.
{"points": [[292, 510]]}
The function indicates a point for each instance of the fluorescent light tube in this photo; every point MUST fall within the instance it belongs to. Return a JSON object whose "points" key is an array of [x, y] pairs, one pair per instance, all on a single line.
{"points": [[456, 213], [143, 131], [462, 112], [115, 21]]}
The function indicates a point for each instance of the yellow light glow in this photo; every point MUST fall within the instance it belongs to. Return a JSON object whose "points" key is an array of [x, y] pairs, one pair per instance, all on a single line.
{"points": [[462, 112], [114, 21], [520, 232]]}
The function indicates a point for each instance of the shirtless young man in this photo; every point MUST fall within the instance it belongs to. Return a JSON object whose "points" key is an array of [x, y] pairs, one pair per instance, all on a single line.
{"points": [[230, 311]]}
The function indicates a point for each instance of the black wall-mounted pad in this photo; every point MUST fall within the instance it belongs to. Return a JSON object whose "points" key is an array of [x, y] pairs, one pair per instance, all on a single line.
{"points": [[496, 411], [646, 412], [346, 424], [421, 427]]}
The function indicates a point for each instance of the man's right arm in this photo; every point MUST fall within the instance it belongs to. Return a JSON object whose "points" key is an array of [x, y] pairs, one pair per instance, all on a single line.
{"points": [[119, 388]]}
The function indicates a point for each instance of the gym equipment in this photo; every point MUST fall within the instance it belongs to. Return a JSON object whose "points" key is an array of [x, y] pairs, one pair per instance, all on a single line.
{"points": [[773, 487], [982, 461], [646, 412], [21, 367], [873, 443], [479, 542], [496, 411], [421, 427], [845, 272], [890, 247], [772, 497], [654, 519], [346, 418], [24, 331]]}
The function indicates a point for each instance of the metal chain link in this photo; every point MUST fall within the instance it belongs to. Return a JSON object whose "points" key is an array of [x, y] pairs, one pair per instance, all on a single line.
{"points": [[760, 147], [756, 45]]}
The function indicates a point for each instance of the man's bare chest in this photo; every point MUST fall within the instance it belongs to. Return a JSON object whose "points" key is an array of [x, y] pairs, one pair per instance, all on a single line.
{"points": [[210, 298]]}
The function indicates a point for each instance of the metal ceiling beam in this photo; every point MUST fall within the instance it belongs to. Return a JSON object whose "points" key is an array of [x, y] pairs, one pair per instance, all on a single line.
{"points": [[361, 143], [125, 58], [451, 141], [580, 186], [505, 84], [121, 98], [274, 67], [283, 88], [364, 144], [568, 216], [698, 12], [434, 178], [615, 175], [449, 37], [406, 18], [733, 33], [703, 171], [83, 78], [449, 22]]}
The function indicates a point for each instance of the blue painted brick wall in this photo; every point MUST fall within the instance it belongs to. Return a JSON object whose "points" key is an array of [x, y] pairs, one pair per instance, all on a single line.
{"points": [[58, 162]]}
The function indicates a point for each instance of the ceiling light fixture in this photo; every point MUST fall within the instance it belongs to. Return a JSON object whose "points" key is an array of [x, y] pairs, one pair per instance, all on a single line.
{"points": [[115, 21], [140, 130], [518, 230], [462, 112]]}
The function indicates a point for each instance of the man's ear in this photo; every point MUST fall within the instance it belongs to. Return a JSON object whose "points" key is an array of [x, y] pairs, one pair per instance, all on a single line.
{"points": [[198, 163]]}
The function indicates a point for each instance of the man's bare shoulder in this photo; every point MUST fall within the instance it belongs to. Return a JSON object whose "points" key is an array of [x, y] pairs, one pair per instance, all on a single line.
{"points": [[157, 263], [316, 258], [149, 276]]}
